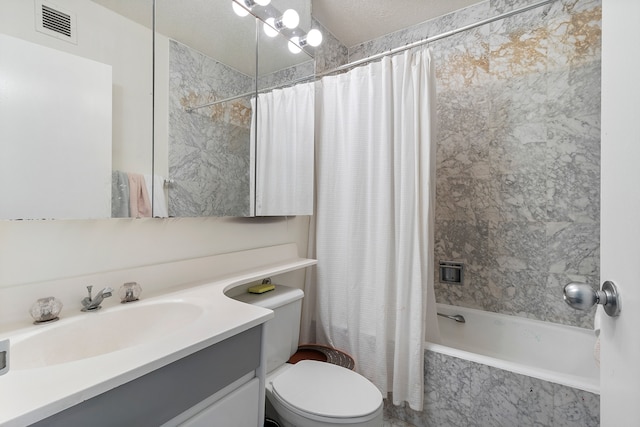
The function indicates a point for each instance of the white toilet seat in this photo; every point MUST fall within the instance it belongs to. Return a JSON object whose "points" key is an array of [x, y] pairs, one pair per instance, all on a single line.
{"points": [[326, 393]]}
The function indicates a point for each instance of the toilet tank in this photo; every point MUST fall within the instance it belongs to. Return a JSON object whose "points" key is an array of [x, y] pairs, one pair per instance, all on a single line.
{"points": [[281, 333]]}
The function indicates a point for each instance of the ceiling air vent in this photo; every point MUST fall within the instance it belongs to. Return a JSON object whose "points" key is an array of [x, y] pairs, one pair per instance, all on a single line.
{"points": [[55, 21]]}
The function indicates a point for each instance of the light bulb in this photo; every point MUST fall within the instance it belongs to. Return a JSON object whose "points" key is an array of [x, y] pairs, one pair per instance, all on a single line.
{"points": [[314, 37], [290, 18], [239, 10], [293, 45], [268, 27], [262, 2]]}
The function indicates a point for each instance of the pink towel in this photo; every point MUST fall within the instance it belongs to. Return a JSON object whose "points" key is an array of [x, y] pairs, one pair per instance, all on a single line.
{"points": [[139, 203]]}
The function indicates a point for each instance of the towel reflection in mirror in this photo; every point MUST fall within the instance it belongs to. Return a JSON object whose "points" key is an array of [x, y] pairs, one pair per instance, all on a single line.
{"points": [[131, 195]]}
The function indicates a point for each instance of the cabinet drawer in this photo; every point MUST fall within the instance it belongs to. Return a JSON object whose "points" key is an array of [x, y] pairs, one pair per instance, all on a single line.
{"points": [[161, 395], [239, 409]]}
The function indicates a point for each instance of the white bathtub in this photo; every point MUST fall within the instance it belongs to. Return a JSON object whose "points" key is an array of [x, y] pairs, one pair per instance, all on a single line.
{"points": [[547, 351]]}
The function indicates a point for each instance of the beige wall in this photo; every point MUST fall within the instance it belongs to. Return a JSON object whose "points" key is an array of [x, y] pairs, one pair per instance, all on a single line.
{"points": [[36, 251]]}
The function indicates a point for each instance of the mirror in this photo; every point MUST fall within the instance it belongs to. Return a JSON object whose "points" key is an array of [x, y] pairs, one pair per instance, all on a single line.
{"points": [[59, 144], [284, 125], [205, 68], [204, 166], [211, 155]]}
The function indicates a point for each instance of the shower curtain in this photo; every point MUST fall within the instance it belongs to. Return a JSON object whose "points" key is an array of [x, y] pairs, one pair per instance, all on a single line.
{"points": [[371, 293], [284, 150]]}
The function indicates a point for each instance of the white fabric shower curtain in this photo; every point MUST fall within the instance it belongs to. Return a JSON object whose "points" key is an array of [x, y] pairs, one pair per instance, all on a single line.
{"points": [[284, 150], [372, 292]]}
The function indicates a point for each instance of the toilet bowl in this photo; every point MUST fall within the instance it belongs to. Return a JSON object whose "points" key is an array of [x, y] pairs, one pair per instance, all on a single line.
{"points": [[309, 393], [314, 394]]}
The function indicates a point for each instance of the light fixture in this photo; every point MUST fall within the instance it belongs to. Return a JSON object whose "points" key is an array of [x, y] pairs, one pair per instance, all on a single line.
{"points": [[289, 19], [269, 27], [294, 45], [239, 10], [242, 7], [314, 37], [274, 25]]}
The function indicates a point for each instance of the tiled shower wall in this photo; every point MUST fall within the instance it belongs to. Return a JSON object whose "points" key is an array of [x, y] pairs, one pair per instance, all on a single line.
{"points": [[209, 153], [518, 154]]}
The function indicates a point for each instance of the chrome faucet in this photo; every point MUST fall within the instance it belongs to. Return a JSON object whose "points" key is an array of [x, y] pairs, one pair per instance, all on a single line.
{"points": [[91, 304]]}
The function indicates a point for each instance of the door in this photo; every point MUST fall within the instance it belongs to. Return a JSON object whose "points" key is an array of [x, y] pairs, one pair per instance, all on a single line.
{"points": [[620, 211]]}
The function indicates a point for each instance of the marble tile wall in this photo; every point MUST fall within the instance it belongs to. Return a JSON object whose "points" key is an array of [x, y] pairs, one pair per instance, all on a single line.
{"points": [[287, 75], [330, 54], [518, 153], [463, 393], [209, 149]]}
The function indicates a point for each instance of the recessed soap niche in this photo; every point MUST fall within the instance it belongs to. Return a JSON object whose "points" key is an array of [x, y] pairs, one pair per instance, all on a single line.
{"points": [[451, 272]]}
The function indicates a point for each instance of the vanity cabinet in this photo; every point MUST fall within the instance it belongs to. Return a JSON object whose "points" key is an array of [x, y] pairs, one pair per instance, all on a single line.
{"points": [[207, 371], [238, 408], [216, 386]]}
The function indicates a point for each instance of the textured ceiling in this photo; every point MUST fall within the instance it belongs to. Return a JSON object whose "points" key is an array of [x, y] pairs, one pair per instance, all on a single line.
{"points": [[357, 21], [210, 26]]}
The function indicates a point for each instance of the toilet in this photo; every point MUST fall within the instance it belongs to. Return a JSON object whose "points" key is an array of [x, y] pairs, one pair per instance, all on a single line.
{"points": [[309, 393]]}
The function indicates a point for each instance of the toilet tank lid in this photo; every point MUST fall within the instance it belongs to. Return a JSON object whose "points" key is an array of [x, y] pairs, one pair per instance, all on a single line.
{"points": [[327, 390], [278, 297]]}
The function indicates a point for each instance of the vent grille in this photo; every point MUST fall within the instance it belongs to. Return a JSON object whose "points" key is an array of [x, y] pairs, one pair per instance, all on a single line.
{"points": [[55, 21]]}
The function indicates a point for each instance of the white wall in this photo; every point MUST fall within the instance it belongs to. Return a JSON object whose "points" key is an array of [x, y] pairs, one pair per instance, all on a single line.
{"points": [[55, 133], [35, 251], [105, 37]]}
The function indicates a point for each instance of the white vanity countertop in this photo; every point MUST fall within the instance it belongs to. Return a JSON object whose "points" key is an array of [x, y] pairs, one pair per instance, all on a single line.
{"points": [[29, 395]]}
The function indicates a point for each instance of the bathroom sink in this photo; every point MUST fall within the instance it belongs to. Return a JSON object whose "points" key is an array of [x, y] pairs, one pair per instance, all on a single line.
{"points": [[105, 331]]}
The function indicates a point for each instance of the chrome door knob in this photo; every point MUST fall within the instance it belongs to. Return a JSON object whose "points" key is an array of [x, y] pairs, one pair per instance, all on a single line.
{"points": [[582, 297]]}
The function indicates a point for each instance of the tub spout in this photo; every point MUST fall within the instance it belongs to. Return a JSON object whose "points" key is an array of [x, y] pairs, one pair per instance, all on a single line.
{"points": [[457, 317]]}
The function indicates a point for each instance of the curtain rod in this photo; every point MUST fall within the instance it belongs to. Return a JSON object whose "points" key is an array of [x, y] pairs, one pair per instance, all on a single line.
{"points": [[244, 95], [388, 52], [434, 38]]}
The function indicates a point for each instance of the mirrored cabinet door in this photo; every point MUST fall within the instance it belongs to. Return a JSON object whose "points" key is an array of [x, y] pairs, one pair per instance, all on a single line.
{"points": [[205, 79], [213, 147], [75, 106], [206, 116], [284, 125]]}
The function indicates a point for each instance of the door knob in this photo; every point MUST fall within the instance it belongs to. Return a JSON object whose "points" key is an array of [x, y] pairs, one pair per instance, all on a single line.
{"points": [[582, 297]]}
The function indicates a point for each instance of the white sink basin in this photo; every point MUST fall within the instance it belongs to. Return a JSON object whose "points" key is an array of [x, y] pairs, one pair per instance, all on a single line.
{"points": [[101, 332]]}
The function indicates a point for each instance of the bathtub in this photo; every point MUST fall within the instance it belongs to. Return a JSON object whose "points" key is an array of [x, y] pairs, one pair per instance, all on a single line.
{"points": [[547, 351]]}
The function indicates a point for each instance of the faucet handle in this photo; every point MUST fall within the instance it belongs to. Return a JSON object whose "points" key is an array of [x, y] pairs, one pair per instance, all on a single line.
{"points": [[46, 310], [129, 292]]}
